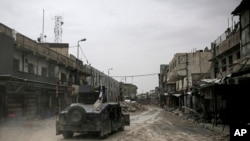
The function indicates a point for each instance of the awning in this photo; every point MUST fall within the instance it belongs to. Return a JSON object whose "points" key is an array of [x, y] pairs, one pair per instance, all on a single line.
{"points": [[177, 95], [165, 94]]}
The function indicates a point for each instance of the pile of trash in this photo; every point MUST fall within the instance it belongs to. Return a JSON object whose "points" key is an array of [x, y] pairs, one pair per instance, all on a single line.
{"points": [[131, 106]]}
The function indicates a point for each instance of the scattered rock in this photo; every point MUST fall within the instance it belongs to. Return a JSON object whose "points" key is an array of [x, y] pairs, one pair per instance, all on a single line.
{"points": [[132, 107]]}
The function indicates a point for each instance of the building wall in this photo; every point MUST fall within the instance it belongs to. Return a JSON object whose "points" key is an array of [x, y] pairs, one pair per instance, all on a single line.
{"points": [[183, 65], [245, 30], [129, 90], [6, 49], [163, 79], [62, 48], [112, 86], [41, 66], [28, 76], [226, 52]]}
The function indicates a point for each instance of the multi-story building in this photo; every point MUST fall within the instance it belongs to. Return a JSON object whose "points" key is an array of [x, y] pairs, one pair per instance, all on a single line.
{"points": [[226, 99], [243, 64], [36, 78], [243, 11], [226, 51], [163, 79], [112, 86], [184, 70], [128, 91], [162, 89]]}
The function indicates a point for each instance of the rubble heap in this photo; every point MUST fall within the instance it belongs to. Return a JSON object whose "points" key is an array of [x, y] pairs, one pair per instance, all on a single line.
{"points": [[154, 100], [132, 107]]}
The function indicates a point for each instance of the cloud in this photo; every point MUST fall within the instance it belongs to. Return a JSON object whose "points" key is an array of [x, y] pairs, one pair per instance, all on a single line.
{"points": [[133, 37]]}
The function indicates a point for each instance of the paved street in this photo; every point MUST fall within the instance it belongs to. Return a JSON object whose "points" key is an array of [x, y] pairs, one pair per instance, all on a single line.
{"points": [[152, 124]]}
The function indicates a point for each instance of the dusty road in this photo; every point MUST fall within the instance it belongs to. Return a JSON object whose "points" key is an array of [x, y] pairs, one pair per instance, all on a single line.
{"points": [[155, 124]]}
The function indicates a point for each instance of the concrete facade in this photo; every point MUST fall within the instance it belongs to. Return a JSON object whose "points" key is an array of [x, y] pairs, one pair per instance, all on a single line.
{"points": [[183, 65], [99, 78], [40, 79], [128, 90], [226, 52]]}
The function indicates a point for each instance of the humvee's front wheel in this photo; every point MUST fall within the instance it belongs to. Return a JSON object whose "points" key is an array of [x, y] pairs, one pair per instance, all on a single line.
{"points": [[68, 134]]}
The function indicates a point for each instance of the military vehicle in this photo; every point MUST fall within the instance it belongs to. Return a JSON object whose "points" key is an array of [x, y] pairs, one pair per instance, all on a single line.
{"points": [[91, 114]]}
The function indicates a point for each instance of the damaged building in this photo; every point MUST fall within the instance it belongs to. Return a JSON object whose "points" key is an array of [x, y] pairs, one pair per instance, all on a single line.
{"points": [[183, 72], [216, 87], [39, 79], [36, 79]]}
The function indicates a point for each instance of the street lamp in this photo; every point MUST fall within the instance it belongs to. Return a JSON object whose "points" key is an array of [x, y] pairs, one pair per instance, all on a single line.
{"points": [[77, 61], [78, 45]]}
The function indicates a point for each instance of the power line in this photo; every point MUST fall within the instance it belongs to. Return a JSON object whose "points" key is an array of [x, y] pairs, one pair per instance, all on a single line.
{"points": [[142, 75], [127, 75]]}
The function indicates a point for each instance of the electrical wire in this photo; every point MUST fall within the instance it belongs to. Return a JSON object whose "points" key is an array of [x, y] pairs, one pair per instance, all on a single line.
{"points": [[142, 75]]}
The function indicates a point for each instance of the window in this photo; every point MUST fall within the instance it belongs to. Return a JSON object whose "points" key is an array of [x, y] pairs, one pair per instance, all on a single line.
{"points": [[31, 68], [245, 19], [63, 77], [44, 72], [224, 64], [51, 71], [230, 59], [245, 36], [216, 66], [16, 65], [238, 55]]}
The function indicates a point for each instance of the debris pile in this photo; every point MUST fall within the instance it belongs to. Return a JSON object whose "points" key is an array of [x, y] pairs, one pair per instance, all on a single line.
{"points": [[132, 106], [154, 99]]}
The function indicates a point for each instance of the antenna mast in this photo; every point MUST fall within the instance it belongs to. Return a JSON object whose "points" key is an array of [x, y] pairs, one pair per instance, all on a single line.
{"points": [[42, 37], [58, 29]]}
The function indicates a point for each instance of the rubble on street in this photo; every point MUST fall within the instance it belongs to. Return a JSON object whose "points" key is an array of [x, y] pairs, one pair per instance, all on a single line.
{"points": [[132, 106], [154, 99]]}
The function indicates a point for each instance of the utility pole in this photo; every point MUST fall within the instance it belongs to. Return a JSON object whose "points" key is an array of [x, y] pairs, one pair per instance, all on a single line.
{"points": [[187, 71], [108, 92], [187, 88]]}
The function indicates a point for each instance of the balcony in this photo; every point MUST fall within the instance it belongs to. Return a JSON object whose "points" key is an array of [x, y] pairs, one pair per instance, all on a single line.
{"points": [[30, 46], [228, 44]]}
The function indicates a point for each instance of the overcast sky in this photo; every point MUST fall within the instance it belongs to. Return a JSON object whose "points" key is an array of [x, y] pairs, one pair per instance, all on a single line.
{"points": [[131, 36]]}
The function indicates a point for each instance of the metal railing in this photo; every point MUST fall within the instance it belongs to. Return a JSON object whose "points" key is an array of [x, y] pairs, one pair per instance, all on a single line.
{"points": [[227, 34]]}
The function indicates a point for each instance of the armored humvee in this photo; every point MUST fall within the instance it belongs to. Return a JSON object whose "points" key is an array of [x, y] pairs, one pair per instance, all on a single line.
{"points": [[91, 116]]}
